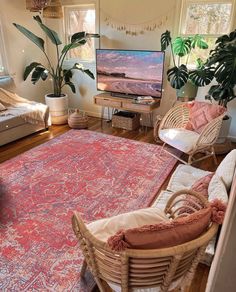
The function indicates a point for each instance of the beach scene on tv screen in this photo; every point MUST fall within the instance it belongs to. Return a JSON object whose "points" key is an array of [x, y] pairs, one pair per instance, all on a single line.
{"points": [[130, 72]]}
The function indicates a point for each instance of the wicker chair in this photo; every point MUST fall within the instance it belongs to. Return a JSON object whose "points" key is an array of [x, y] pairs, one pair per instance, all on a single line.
{"points": [[133, 269], [175, 120]]}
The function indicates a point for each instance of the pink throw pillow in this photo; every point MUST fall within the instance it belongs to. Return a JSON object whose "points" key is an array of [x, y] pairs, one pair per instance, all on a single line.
{"points": [[164, 234], [201, 113]]}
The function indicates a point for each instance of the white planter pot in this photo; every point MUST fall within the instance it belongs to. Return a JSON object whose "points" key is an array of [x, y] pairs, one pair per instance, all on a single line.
{"points": [[58, 108], [224, 131]]}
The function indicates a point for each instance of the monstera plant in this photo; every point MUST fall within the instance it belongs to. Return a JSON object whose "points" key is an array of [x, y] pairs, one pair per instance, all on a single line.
{"points": [[222, 61], [181, 49]]}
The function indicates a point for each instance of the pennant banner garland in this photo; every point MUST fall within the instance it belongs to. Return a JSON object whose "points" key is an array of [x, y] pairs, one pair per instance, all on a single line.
{"points": [[135, 29]]}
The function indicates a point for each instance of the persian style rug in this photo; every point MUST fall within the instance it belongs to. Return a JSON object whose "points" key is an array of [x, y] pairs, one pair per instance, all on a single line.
{"points": [[98, 175]]}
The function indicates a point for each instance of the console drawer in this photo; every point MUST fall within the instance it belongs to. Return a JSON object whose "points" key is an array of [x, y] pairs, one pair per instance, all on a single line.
{"points": [[108, 102], [136, 107]]}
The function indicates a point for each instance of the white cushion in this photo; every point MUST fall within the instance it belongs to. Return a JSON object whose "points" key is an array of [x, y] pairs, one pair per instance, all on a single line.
{"points": [[104, 228], [226, 168], [184, 177], [181, 139], [162, 199], [217, 189]]}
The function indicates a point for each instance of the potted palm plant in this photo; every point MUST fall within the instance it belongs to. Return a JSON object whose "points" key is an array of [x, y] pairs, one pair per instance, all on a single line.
{"points": [[57, 100], [180, 76]]}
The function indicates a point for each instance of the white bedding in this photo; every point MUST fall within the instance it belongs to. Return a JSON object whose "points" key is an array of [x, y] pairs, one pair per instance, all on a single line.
{"points": [[29, 111]]}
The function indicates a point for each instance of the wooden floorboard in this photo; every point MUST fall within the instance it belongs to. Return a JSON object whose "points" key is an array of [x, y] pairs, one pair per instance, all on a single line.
{"points": [[15, 148]]}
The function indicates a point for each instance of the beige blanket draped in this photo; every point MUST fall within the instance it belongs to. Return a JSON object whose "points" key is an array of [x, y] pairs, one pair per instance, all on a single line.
{"points": [[30, 111]]}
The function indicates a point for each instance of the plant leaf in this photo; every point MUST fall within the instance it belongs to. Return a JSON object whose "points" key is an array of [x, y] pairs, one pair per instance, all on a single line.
{"points": [[182, 46], [31, 36], [198, 41], [29, 68], [78, 36], [79, 67], [165, 40], [52, 35], [37, 73], [72, 46], [67, 75], [202, 77], [178, 76], [72, 86], [44, 75]]}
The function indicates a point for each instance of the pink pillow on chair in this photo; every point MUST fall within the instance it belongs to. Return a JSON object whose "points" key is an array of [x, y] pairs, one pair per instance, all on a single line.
{"points": [[201, 113]]}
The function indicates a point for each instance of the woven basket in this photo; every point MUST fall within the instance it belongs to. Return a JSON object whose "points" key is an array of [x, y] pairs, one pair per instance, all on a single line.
{"points": [[126, 120], [78, 120]]}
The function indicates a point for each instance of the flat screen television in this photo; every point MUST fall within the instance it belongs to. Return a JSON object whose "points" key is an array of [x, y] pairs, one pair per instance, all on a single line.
{"points": [[130, 72]]}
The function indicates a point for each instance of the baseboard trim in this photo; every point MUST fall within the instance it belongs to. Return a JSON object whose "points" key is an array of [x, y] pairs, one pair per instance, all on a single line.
{"points": [[232, 138]]}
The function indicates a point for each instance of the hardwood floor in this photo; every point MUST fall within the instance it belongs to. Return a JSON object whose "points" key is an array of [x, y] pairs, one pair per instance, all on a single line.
{"points": [[13, 149]]}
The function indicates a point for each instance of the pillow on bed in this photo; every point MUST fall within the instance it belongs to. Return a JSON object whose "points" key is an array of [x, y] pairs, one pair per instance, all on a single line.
{"points": [[2, 107]]}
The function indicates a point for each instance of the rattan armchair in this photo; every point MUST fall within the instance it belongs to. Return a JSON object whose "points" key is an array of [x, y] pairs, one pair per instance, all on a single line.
{"points": [[177, 118], [133, 269]]}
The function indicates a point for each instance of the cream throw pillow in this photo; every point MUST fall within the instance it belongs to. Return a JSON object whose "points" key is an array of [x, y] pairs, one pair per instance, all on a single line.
{"points": [[2, 107], [104, 228], [217, 189], [226, 168]]}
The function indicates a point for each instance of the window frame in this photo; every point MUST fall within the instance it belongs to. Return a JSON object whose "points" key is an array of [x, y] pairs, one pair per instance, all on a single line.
{"points": [[78, 5], [184, 9], [3, 54]]}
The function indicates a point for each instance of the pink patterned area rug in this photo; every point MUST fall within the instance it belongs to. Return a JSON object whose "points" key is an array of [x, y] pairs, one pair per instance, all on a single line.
{"points": [[98, 175]]}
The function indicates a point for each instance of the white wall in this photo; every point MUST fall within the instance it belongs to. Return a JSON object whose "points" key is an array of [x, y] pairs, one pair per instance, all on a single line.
{"points": [[128, 12], [19, 50]]}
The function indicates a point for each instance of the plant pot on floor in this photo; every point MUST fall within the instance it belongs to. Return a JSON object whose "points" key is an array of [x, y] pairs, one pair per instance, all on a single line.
{"points": [[58, 108], [223, 144], [188, 92]]}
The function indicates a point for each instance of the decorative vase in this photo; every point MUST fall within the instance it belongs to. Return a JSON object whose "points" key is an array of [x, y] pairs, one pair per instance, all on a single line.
{"points": [[78, 120], [58, 108]]}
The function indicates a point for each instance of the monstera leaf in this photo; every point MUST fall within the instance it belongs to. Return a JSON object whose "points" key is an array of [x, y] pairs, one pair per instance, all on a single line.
{"points": [[182, 46], [202, 76], [165, 40], [178, 76], [198, 41], [225, 72], [222, 94]]}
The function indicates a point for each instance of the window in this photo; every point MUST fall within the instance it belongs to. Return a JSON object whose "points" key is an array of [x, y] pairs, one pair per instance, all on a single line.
{"points": [[2, 55], [81, 18], [208, 18]]}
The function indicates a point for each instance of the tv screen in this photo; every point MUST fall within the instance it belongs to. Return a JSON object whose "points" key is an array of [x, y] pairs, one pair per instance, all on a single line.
{"points": [[130, 72]]}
